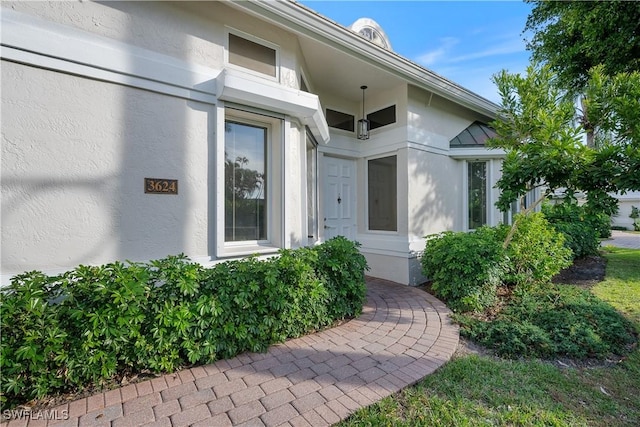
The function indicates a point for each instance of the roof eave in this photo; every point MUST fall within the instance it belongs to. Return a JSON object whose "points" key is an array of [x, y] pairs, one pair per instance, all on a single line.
{"points": [[304, 21]]}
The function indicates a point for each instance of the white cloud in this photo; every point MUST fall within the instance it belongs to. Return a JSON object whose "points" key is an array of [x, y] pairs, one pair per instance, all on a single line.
{"points": [[432, 57], [505, 48]]}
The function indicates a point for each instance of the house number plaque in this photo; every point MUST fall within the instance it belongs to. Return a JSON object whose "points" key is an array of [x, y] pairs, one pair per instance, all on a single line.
{"points": [[160, 186]]}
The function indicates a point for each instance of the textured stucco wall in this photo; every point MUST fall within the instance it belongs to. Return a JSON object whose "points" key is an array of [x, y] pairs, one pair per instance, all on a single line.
{"points": [[191, 31], [75, 153], [435, 193], [433, 121], [75, 150]]}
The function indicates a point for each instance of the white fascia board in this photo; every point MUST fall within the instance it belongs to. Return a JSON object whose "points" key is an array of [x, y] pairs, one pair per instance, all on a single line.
{"points": [[267, 95], [470, 153], [23, 32], [301, 20]]}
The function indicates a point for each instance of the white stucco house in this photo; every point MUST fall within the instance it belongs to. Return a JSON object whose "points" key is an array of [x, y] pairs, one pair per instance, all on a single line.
{"points": [[135, 130]]}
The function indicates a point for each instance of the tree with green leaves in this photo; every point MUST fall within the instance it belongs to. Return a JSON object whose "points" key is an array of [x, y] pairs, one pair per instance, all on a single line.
{"points": [[572, 37], [545, 146]]}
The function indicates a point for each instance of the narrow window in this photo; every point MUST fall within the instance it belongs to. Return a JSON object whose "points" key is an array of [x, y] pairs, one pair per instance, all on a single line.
{"points": [[383, 117], [382, 178], [312, 186], [338, 120], [245, 182], [477, 194], [252, 55]]}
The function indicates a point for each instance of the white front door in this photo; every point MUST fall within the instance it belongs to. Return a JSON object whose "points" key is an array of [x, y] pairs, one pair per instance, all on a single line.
{"points": [[339, 198]]}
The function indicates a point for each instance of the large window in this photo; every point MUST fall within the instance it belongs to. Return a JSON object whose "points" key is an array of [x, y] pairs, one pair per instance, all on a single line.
{"points": [[245, 186], [477, 193], [252, 55], [382, 194]]}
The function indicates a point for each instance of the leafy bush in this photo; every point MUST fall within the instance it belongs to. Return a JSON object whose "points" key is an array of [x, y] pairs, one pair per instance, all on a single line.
{"points": [[581, 227], [553, 321], [536, 252], [341, 267], [83, 327], [465, 268], [581, 238]]}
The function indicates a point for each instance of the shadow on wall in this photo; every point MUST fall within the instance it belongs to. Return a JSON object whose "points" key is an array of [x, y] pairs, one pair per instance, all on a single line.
{"points": [[435, 195], [44, 197], [162, 137]]}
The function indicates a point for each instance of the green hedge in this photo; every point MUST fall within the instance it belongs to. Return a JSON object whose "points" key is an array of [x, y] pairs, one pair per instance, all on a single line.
{"points": [[80, 328], [465, 268]]}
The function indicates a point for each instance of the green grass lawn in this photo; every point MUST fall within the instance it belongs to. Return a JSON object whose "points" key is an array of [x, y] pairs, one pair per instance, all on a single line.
{"points": [[484, 391]]}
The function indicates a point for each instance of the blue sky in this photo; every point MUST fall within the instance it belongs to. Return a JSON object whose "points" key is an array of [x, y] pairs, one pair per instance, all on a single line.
{"points": [[464, 41]]}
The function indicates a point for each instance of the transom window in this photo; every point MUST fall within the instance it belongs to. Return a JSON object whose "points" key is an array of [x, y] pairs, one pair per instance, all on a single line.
{"points": [[383, 117], [339, 120], [251, 55], [383, 193]]}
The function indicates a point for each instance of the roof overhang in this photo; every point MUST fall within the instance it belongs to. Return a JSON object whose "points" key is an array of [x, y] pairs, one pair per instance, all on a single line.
{"points": [[261, 93], [310, 25]]}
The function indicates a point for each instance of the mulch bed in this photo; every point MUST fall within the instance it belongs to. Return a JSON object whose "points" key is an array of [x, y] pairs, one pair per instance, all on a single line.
{"points": [[584, 272]]}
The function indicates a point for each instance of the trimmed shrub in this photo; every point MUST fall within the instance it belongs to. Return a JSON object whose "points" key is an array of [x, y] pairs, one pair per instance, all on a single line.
{"points": [[465, 268], [341, 267], [83, 327], [554, 321], [536, 253]]}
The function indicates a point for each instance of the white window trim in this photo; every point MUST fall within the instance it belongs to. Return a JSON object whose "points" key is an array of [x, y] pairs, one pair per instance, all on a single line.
{"points": [[366, 201], [256, 40], [275, 190]]}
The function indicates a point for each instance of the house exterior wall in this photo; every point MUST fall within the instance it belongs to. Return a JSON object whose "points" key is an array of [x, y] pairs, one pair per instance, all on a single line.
{"points": [[625, 202], [194, 32], [98, 96], [82, 128], [73, 172]]}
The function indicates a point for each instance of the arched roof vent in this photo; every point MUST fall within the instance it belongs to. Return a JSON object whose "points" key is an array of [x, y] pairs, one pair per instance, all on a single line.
{"points": [[369, 29]]}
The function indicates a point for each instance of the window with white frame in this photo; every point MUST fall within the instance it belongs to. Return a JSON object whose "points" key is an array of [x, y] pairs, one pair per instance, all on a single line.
{"points": [[477, 194], [252, 55], [383, 193], [246, 185]]}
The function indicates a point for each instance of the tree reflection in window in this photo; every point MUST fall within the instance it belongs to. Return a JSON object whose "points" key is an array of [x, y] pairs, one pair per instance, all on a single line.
{"points": [[477, 195], [245, 182]]}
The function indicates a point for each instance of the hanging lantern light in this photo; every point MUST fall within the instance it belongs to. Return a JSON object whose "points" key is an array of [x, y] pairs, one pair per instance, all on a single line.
{"points": [[363, 123]]}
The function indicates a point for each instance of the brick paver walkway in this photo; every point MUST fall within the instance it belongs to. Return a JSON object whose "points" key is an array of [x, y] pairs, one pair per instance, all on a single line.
{"points": [[403, 335]]}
